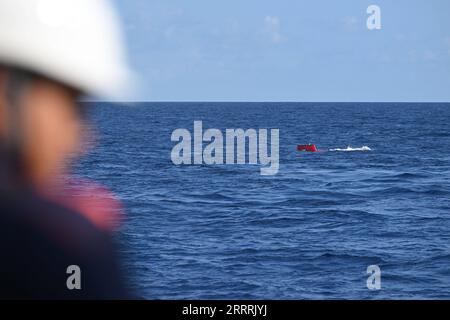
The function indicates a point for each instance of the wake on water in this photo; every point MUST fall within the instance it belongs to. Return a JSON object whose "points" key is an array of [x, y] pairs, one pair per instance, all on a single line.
{"points": [[348, 149]]}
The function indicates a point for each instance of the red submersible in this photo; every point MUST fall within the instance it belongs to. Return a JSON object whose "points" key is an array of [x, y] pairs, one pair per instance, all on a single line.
{"points": [[307, 147]]}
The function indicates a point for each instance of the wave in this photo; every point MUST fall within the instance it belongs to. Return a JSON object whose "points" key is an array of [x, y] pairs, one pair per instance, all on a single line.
{"points": [[348, 149]]}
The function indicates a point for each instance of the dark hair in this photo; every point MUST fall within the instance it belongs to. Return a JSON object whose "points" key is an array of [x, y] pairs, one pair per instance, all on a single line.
{"points": [[16, 82], [11, 163]]}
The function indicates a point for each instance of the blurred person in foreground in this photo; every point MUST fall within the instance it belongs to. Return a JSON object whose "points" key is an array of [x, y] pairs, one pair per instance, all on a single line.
{"points": [[51, 52]]}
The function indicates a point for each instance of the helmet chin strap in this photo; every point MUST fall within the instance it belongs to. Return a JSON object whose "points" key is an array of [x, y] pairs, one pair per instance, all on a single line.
{"points": [[16, 83]]}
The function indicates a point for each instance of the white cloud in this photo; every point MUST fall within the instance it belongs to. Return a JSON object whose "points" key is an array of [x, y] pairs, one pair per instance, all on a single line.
{"points": [[273, 29]]}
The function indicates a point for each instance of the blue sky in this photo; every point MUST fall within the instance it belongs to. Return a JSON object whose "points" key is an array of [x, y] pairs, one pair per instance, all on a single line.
{"points": [[288, 50]]}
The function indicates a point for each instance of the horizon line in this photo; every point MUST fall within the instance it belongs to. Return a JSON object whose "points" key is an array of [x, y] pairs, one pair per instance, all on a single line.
{"points": [[253, 101]]}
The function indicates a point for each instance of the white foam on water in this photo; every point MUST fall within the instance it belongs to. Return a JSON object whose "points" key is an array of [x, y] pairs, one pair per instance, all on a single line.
{"points": [[348, 149]]}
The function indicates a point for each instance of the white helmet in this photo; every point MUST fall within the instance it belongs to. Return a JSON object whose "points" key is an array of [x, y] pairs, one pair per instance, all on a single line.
{"points": [[77, 42]]}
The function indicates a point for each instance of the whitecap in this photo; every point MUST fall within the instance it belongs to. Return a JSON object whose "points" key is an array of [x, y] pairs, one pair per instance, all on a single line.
{"points": [[348, 149]]}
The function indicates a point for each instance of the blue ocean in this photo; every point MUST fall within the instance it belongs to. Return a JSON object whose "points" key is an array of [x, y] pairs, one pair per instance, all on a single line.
{"points": [[308, 232]]}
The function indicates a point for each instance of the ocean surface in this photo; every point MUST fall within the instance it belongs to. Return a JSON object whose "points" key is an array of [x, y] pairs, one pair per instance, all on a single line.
{"points": [[308, 232]]}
